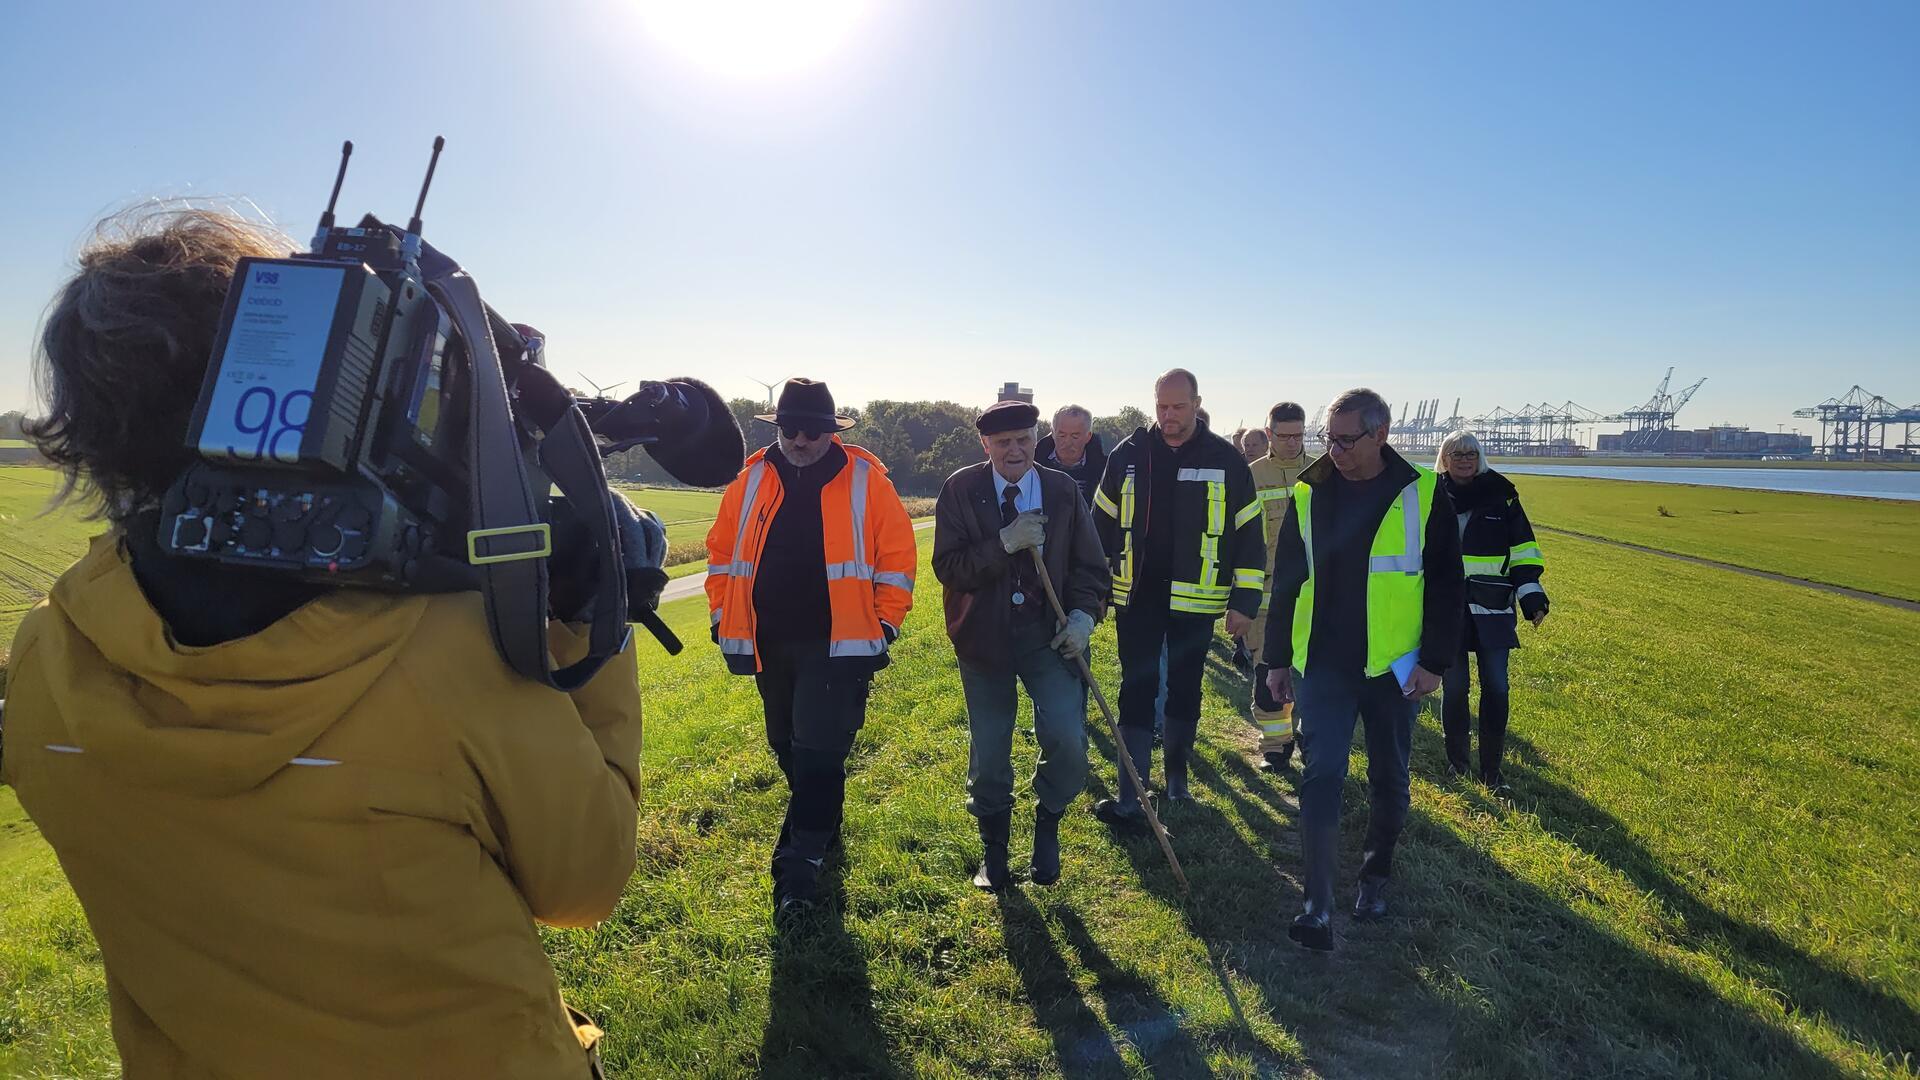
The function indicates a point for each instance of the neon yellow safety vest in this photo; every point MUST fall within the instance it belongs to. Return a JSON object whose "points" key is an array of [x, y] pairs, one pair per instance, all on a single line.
{"points": [[1396, 575]]}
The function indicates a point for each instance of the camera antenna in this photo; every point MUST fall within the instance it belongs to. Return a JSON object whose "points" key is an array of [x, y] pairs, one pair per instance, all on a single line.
{"points": [[326, 216], [439, 143]]}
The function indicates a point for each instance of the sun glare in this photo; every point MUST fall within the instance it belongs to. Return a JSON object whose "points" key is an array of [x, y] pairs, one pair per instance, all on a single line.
{"points": [[754, 39]]}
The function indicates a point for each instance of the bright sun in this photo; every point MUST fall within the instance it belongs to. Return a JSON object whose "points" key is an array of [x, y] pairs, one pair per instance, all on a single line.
{"points": [[754, 38]]}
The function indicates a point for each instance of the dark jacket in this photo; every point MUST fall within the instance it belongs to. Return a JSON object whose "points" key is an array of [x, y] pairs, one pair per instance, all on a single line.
{"points": [[1218, 541], [1086, 474], [1444, 590], [1501, 559], [973, 567]]}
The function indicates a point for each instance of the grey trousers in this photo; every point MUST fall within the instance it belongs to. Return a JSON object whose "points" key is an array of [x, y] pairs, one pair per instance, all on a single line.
{"points": [[1059, 725]]}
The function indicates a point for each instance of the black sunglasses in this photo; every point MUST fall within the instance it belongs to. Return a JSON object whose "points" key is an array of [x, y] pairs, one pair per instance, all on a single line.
{"points": [[794, 431]]}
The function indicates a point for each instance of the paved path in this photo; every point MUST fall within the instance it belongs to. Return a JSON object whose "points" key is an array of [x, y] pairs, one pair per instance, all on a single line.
{"points": [[695, 584], [1857, 594]]}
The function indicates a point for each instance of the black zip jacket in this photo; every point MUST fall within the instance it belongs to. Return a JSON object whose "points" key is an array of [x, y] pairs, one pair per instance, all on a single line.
{"points": [[1501, 559], [1217, 544], [1086, 474], [1444, 593]]}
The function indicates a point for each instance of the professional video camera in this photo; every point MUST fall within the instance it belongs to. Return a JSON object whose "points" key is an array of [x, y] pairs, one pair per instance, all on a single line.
{"points": [[367, 420]]}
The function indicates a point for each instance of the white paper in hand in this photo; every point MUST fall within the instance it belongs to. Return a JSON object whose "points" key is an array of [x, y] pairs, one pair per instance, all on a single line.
{"points": [[1403, 670]]}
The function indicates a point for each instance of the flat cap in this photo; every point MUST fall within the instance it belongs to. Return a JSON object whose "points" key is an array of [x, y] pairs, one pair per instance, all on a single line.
{"points": [[1006, 416]]}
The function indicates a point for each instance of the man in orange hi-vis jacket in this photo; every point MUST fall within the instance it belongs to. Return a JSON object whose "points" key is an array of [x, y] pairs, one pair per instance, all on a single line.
{"points": [[810, 570]]}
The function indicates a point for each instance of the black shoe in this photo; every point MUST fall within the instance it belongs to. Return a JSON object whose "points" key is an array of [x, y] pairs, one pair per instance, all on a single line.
{"points": [[1044, 868], [1241, 659], [1125, 816], [1312, 931], [1371, 904], [1496, 784], [994, 828], [1278, 760]]}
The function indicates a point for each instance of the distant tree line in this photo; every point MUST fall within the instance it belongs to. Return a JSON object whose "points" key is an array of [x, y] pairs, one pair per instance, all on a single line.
{"points": [[921, 442]]}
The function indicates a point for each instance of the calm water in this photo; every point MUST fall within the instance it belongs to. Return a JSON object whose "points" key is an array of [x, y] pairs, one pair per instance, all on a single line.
{"points": [[1872, 483]]}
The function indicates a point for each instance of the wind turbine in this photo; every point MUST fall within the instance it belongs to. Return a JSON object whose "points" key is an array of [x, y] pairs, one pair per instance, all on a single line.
{"points": [[602, 390], [768, 385]]}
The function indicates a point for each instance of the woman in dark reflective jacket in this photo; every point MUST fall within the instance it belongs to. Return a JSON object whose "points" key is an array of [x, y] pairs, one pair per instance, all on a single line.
{"points": [[1503, 567]]}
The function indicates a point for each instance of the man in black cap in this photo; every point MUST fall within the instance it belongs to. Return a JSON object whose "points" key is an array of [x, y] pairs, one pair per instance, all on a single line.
{"points": [[987, 520], [810, 568]]}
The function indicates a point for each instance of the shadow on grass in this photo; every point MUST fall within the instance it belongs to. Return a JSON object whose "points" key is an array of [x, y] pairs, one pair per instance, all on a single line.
{"points": [[1885, 1024], [820, 1018], [1133, 1006], [1080, 1042]]}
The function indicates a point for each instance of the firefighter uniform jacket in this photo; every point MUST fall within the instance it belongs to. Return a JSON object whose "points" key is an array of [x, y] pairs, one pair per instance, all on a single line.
{"points": [[1501, 558], [870, 552], [1273, 480], [1219, 550]]}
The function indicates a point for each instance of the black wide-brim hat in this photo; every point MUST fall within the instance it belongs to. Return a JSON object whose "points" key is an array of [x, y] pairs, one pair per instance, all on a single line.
{"points": [[808, 404]]}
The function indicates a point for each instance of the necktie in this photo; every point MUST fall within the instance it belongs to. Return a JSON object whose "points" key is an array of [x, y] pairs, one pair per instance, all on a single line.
{"points": [[1007, 514], [1007, 501]]}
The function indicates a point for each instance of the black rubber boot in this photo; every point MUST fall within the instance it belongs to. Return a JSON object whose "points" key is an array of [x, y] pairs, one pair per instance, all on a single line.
{"points": [[994, 828], [1044, 869], [1125, 812], [1371, 903], [1179, 749], [1319, 856], [796, 875], [1279, 760]]}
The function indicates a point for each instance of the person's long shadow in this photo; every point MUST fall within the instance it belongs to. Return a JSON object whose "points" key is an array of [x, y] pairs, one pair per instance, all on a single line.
{"points": [[820, 1019], [1080, 1043], [1866, 1014], [1135, 1007]]}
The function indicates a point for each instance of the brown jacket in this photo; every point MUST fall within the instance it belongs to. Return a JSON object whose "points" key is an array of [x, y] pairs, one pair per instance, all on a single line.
{"points": [[972, 566]]}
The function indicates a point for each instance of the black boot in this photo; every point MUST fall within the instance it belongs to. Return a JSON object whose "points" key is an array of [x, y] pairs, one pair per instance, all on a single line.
{"points": [[1279, 760], [1044, 869], [1178, 751], [796, 871], [1319, 854], [1371, 903], [1125, 812], [993, 862]]}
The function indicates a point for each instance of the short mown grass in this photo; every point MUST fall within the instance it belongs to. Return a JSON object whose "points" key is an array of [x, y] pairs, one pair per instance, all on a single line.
{"points": [[1870, 544], [1709, 866]]}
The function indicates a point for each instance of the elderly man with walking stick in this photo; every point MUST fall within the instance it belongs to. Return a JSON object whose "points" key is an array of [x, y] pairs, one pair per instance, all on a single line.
{"points": [[989, 520], [1365, 616]]}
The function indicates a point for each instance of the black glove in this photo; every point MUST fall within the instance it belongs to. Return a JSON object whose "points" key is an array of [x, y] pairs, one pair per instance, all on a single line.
{"points": [[1533, 604]]}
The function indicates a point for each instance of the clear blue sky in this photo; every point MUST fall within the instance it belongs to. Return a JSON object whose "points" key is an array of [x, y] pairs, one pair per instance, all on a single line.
{"points": [[1507, 203]]}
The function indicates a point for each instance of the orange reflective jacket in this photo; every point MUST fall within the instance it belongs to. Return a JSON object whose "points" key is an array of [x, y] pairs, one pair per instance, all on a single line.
{"points": [[871, 559]]}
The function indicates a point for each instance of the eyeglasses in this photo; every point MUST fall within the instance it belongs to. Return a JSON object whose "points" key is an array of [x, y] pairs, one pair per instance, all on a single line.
{"points": [[1464, 455], [794, 431], [1287, 438], [1345, 442]]}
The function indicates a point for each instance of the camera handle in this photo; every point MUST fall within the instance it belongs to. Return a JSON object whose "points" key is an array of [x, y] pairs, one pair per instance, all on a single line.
{"points": [[505, 518]]}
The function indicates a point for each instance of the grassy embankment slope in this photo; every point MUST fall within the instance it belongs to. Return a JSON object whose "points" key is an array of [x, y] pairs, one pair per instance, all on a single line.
{"points": [[1707, 867], [1864, 544]]}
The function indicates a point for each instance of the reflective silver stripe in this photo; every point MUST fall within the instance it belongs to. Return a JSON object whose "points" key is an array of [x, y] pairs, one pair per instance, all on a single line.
{"points": [[319, 762], [1270, 494], [716, 615], [746, 509], [1529, 589], [1216, 476], [836, 571], [1100, 501], [62, 748], [1253, 510], [1411, 562], [1249, 579], [860, 470], [738, 646], [1528, 551], [1478, 610], [734, 569], [858, 647], [894, 578]]}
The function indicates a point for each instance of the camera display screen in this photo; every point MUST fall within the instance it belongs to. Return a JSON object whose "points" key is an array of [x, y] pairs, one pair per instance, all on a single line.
{"points": [[265, 378]]}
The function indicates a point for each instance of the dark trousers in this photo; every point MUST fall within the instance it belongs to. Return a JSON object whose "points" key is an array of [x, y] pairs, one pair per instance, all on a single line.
{"points": [[1142, 633], [1059, 725], [1325, 706], [1456, 717], [814, 708]]}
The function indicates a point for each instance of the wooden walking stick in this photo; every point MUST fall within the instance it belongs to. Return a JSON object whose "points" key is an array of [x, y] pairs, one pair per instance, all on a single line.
{"points": [[1113, 728]]}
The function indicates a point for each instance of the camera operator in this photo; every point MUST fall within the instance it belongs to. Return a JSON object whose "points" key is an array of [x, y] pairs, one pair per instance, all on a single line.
{"points": [[311, 828]]}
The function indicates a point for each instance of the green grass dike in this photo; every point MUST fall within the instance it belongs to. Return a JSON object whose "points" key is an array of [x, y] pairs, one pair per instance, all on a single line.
{"points": [[1709, 866], [1868, 544]]}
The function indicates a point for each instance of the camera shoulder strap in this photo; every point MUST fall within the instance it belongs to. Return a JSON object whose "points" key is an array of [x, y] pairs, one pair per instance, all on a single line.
{"points": [[508, 542]]}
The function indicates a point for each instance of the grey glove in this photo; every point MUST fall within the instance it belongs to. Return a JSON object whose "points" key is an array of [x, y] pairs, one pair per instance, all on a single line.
{"points": [[1029, 530], [643, 539], [1072, 638]]}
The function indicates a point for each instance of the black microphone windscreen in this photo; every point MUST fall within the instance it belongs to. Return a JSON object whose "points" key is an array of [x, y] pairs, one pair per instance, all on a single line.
{"points": [[710, 456]]}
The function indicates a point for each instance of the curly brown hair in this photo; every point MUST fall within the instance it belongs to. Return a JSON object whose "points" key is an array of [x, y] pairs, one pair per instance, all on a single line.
{"points": [[125, 345]]}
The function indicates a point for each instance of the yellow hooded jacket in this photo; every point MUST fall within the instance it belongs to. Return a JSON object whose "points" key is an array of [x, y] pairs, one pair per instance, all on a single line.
{"points": [[319, 851]]}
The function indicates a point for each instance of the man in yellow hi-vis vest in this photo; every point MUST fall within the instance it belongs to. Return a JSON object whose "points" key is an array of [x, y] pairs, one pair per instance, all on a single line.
{"points": [[1274, 474], [1363, 618]]}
